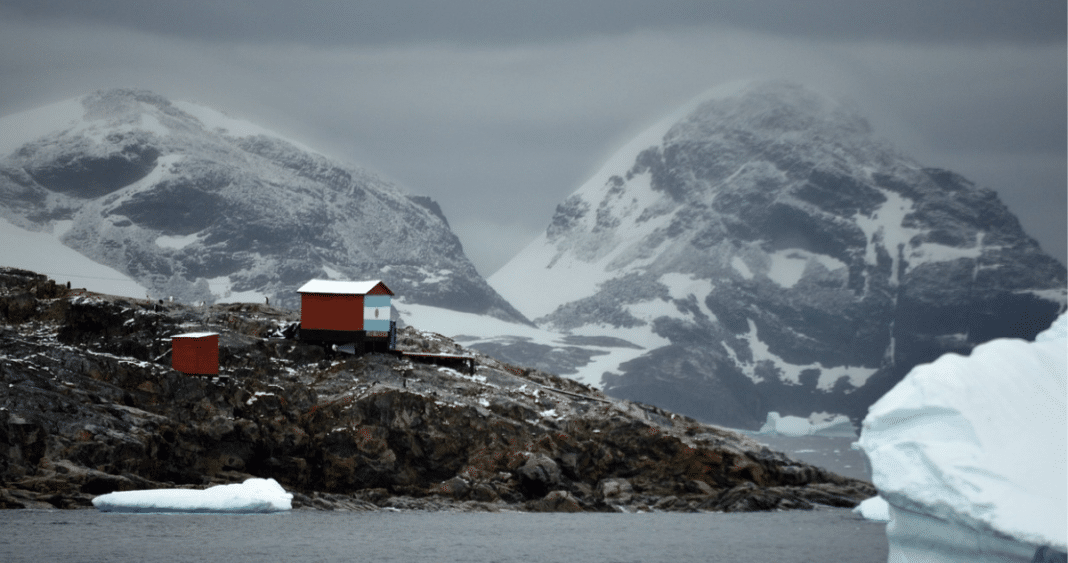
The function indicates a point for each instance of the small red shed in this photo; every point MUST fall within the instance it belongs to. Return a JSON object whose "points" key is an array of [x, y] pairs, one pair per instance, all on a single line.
{"points": [[346, 311], [195, 353]]}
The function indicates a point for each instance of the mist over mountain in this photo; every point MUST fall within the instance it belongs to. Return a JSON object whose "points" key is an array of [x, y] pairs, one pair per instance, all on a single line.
{"points": [[193, 204], [761, 250]]}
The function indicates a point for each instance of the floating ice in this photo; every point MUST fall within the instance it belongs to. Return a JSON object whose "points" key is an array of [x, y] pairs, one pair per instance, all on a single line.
{"points": [[875, 508], [970, 453], [252, 496], [817, 424]]}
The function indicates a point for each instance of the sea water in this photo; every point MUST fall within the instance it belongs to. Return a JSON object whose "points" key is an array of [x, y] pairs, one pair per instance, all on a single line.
{"points": [[822, 535]]}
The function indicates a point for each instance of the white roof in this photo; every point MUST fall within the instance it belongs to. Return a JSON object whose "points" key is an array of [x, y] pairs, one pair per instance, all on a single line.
{"points": [[195, 335], [339, 287]]}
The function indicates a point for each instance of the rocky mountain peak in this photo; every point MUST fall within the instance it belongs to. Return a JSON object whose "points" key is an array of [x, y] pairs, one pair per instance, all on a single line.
{"points": [[768, 253], [192, 203]]}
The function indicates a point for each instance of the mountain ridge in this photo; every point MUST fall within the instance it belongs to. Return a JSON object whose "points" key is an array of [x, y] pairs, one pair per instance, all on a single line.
{"points": [[203, 207], [770, 255]]}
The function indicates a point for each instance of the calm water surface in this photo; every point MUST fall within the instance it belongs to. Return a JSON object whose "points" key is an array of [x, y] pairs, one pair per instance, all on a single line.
{"points": [[824, 535]]}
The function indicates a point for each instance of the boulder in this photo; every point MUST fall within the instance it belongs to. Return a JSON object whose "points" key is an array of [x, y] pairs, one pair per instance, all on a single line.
{"points": [[615, 491], [538, 476], [556, 501]]}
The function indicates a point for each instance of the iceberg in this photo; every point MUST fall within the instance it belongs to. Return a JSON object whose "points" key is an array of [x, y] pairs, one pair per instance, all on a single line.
{"points": [[253, 496], [875, 509], [970, 454], [817, 424]]}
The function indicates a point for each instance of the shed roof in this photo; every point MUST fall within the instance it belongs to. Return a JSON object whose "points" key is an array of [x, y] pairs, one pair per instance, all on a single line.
{"points": [[341, 287], [195, 335]]}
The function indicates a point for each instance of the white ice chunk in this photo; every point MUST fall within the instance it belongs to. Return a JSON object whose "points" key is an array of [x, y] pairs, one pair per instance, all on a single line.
{"points": [[786, 425], [832, 426], [253, 496], [817, 424], [875, 508], [970, 452]]}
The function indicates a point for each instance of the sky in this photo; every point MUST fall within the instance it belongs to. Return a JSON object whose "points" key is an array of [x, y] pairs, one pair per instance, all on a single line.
{"points": [[499, 109]]}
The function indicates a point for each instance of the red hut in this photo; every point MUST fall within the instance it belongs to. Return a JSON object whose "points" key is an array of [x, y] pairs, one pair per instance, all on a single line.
{"points": [[195, 353], [347, 312]]}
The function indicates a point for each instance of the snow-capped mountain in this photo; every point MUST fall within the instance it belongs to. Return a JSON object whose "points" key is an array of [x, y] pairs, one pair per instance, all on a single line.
{"points": [[191, 203], [760, 250]]}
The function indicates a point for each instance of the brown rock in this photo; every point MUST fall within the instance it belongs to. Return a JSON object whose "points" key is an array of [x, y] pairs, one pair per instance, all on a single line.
{"points": [[615, 490], [556, 501]]}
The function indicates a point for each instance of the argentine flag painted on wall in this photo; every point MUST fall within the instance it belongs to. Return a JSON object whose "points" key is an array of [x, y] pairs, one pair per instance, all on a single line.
{"points": [[376, 310]]}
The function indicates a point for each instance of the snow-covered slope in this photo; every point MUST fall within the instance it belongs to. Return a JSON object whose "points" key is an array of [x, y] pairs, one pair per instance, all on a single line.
{"points": [[43, 252], [191, 203], [970, 452], [761, 251]]}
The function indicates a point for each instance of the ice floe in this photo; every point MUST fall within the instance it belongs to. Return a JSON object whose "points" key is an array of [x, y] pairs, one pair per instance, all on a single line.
{"points": [[253, 496]]}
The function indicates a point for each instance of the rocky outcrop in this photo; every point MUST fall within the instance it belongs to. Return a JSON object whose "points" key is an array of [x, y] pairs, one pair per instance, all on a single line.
{"points": [[89, 405]]}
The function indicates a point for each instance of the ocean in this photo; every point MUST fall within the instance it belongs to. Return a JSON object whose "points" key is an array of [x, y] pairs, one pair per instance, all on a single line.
{"points": [[824, 535]]}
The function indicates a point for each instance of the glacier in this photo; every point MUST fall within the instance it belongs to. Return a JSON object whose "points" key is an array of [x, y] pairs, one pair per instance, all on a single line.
{"points": [[970, 454], [253, 496]]}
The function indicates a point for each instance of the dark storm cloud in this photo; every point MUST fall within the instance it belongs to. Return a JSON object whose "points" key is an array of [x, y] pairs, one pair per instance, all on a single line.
{"points": [[475, 22]]}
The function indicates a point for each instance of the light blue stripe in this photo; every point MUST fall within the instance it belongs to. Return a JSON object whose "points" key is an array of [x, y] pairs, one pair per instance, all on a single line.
{"points": [[376, 324], [376, 301]]}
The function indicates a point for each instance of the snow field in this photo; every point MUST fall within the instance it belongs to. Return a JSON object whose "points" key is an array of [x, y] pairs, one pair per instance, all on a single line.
{"points": [[789, 265], [214, 120], [791, 373], [486, 329], [222, 288], [514, 280], [45, 254], [20, 128]]}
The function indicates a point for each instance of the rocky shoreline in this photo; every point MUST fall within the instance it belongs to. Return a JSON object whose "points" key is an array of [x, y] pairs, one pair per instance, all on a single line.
{"points": [[89, 405]]}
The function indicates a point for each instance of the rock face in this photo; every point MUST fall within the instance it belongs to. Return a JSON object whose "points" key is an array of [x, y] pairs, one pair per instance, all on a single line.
{"points": [[199, 206], [767, 254], [89, 405]]}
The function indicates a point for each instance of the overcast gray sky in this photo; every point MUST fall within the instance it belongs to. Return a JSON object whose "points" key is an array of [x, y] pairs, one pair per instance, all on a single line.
{"points": [[499, 108]]}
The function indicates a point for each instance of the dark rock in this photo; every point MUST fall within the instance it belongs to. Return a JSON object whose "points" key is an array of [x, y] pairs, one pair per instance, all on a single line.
{"points": [[91, 416], [538, 476], [456, 488], [556, 501]]}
